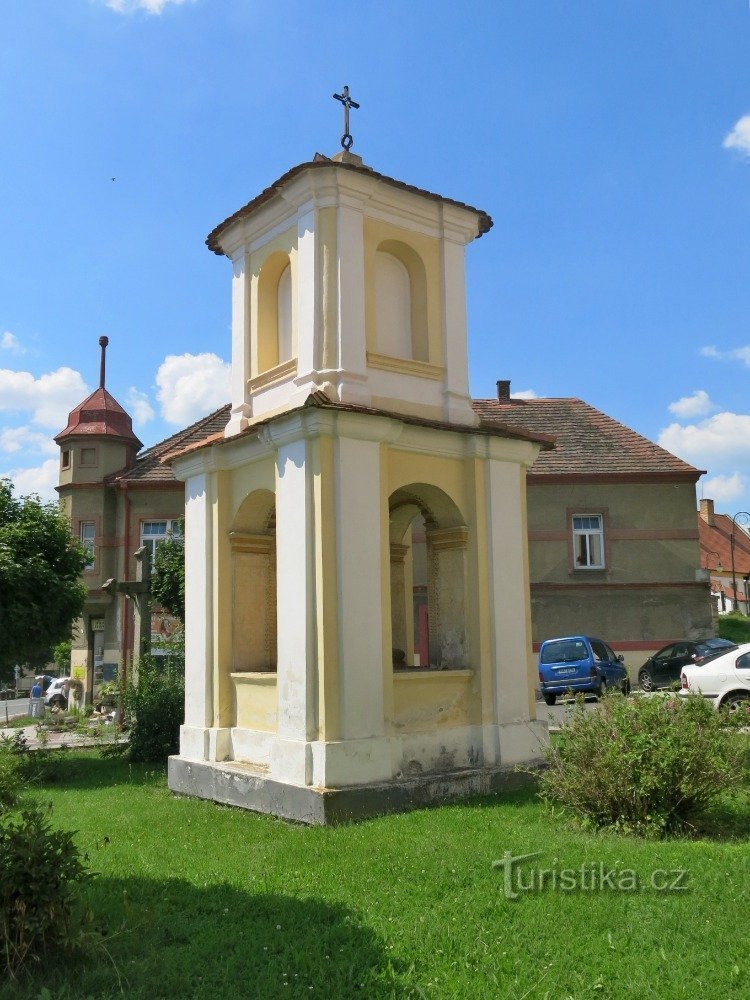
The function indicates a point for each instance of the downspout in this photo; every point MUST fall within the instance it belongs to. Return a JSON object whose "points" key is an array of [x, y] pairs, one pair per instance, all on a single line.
{"points": [[126, 637]]}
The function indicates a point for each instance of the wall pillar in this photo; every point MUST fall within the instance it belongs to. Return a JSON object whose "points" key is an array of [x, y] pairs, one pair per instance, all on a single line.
{"points": [[199, 667], [446, 596], [241, 336], [400, 620], [291, 754]]}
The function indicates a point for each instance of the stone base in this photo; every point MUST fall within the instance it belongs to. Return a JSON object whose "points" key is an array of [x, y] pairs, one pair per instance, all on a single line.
{"points": [[250, 788]]}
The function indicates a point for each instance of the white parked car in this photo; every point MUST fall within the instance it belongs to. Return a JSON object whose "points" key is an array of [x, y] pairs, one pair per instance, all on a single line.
{"points": [[725, 679], [57, 693]]}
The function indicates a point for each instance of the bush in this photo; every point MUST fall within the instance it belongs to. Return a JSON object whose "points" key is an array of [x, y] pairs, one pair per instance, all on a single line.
{"points": [[11, 774], [644, 765], [155, 710], [735, 627], [40, 907]]}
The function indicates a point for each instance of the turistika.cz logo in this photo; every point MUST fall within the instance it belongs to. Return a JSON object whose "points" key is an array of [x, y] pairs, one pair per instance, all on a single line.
{"points": [[593, 876]]}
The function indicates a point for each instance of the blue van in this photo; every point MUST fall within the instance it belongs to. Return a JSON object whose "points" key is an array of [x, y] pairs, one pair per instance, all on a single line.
{"points": [[579, 663]]}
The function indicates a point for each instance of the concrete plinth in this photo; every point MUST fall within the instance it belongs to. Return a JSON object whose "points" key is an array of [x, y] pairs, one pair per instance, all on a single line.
{"points": [[249, 787]]}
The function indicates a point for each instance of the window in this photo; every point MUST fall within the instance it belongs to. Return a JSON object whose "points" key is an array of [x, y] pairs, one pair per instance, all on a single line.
{"points": [[65, 458], [88, 457], [588, 541], [153, 532], [88, 540]]}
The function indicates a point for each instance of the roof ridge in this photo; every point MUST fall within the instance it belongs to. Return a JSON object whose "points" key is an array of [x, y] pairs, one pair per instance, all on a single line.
{"points": [[152, 449]]}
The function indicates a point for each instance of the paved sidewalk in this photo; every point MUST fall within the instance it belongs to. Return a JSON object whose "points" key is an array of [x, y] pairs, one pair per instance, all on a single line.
{"points": [[58, 739]]}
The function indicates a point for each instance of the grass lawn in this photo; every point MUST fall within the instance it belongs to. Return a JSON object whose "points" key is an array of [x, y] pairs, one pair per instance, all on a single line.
{"points": [[201, 900]]}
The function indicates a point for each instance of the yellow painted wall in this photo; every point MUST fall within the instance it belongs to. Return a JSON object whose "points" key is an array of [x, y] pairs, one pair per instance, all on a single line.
{"points": [[434, 699], [256, 701]]}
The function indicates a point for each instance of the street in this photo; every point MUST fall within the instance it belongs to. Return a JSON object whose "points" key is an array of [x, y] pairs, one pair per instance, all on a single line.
{"points": [[13, 707]]}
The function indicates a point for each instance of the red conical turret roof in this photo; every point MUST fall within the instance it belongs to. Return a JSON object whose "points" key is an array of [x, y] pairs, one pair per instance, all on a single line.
{"points": [[100, 415]]}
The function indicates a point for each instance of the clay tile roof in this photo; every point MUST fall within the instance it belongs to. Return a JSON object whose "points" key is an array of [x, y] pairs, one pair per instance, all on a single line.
{"points": [[149, 468], [587, 441], [716, 545], [99, 415], [212, 242]]}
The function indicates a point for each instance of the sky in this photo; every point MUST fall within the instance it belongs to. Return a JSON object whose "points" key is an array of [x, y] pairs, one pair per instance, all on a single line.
{"points": [[608, 139]]}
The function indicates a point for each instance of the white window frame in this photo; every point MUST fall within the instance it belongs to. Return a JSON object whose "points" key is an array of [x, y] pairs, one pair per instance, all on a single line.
{"points": [[583, 535], [88, 544], [152, 538]]}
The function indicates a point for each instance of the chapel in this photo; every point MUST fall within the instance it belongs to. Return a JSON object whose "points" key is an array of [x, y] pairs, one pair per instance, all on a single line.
{"points": [[358, 630]]}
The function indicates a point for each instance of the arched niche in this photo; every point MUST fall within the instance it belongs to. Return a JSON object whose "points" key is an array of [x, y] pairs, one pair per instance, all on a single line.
{"points": [[428, 537], [400, 302], [253, 543], [276, 341]]}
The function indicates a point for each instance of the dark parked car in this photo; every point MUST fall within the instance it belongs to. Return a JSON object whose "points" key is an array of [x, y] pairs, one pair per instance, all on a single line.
{"points": [[664, 668], [579, 663]]}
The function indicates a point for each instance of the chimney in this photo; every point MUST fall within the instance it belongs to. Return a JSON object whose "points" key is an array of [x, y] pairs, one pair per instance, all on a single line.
{"points": [[707, 512], [503, 390]]}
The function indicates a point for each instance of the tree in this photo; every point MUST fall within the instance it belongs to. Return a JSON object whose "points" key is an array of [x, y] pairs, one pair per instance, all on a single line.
{"points": [[168, 580], [41, 593]]}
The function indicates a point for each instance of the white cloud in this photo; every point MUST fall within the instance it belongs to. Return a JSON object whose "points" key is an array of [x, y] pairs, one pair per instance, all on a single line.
{"points": [[725, 489], [191, 385], [14, 439], [41, 479], [139, 406], [131, 6], [720, 439], [696, 405], [524, 394], [48, 399], [739, 137], [10, 342], [736, 354]]}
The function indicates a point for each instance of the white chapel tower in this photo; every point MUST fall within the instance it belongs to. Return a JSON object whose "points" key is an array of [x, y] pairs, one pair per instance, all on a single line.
{"points": [[357, 598]]}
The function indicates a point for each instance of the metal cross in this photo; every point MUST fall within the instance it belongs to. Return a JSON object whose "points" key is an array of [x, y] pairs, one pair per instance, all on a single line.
{"points": [[346, 139]]}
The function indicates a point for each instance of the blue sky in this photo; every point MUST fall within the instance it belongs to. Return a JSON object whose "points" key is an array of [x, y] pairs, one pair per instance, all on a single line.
{"points": [[610, 142]]}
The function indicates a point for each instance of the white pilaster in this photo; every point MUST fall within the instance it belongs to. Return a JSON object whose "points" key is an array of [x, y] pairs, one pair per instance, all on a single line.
{"points": [[352, 348], [241, 410], [509, 592], [291, 756], [308, 295], [457, 404], [199, 709]]}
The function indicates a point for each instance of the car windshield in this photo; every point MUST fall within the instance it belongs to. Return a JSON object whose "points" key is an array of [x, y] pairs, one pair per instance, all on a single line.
{"points": [[564, 651]]}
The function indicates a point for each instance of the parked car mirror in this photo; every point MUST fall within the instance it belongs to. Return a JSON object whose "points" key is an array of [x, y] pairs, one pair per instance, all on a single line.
{"points": [[621, 658]]}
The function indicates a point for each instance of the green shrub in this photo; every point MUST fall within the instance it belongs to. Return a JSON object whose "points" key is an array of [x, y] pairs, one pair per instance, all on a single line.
{"points": [[11, 774], [644, 765], [40, 905], [735, 627], [155, 710]]}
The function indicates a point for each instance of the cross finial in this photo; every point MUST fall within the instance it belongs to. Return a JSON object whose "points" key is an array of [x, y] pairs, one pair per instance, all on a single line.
{"points": [[103, 341], [346, 139]]}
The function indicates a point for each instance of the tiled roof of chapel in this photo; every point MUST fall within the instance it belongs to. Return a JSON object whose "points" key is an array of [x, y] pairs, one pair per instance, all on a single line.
{"points": [[484, 221], [587, 441]]}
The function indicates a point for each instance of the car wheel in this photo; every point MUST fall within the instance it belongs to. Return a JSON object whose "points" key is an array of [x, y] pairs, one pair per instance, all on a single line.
{"points": [[602, 689], [736, 702], [550, 699], [58, 702], [646, 681]]}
